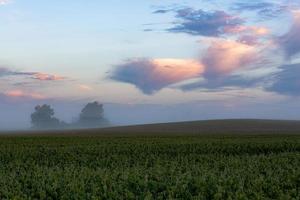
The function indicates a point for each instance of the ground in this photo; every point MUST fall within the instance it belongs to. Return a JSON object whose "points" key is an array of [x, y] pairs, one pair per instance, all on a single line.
{"points": [[145, 166]]}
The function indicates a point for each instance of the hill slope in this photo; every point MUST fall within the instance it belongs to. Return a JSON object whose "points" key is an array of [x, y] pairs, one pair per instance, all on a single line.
{"points": [[205, 127], [230, 126]]}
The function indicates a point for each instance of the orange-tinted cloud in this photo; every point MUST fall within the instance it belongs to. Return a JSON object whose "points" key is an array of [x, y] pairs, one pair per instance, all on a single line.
{"points": [[22, 94], [47, 77], [175, 70], [4, 71], [254, 30], [221, 59], [150, 75], [84, 87], [225, 56]]}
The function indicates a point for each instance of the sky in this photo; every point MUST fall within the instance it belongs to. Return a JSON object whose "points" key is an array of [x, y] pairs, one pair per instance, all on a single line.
{"points": [[150, 61]]}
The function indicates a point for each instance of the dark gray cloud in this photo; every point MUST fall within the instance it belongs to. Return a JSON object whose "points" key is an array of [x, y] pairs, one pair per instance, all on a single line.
{"points": [[222, 82], [148, 30], [290, 42], [252, 5], [135, 72], [199, 22], [263, 9], [4, 71], [287, 81], [162, 11]]}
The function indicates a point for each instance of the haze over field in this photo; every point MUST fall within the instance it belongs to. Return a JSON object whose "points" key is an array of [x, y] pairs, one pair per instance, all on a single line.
{"points": [[150, 61]]}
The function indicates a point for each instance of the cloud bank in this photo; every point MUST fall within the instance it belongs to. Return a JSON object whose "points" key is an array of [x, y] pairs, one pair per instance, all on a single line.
{"points": [[221, 59], [246, 46]]}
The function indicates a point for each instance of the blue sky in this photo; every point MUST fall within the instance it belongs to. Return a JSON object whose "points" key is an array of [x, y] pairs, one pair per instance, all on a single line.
{"points": [[134, 54]]}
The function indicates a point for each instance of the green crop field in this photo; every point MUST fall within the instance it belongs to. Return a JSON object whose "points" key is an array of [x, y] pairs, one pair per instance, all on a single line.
{"points": [[150, 167]]}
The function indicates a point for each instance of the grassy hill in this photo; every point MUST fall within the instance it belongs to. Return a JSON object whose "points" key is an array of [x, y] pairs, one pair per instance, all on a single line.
{"points": [[205, 127], [157, 161], [230, 126]]}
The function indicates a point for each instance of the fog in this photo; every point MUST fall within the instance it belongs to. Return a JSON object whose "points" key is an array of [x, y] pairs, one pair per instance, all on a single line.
{"points": [[15, 115]]}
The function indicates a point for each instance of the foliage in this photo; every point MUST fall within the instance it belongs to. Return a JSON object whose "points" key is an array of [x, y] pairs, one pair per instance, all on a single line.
{"points": [[152, 167], [92, 115], [42, 118]]}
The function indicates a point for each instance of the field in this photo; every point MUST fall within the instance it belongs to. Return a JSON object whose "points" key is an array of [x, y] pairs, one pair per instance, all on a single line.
{"points": [[150, 167]]}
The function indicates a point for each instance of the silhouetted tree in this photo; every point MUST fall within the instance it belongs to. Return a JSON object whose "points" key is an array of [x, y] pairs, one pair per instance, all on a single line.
{"points": [[42, 118], [92, 115]]}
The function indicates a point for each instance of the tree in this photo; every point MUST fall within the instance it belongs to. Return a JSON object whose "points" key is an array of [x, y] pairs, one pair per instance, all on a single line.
{"points": [[92, 115], [42, 118]]}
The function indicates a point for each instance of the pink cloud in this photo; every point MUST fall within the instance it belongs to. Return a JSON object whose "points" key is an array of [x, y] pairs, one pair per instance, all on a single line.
{"points": [[249, 40], [22, 94], [34, 75], [254, 30], [260, 30], [222, 58], [225, 56], [47, 77], [84, 87], [150, 75], [176, 70]]}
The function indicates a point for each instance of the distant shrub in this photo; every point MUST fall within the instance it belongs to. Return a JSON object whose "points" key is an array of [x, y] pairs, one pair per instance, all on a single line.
{"points": [[43, 118], [92, 115]]}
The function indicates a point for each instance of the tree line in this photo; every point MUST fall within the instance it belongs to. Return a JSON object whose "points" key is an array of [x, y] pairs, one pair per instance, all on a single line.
{"points": [[91, 116]]}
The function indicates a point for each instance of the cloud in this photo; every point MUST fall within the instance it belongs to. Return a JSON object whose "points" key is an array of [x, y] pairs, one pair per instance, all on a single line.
{"points": [[47, 77], [4, 2], [151, 75], [216, 67], [249, 40], [253, 30], [225, 56], [22, 94], [290, 42], [4, 71], [264, 9], [84, 87], [221, 60], [162, 11], [34, 75], [221, 82], [287, 81], [8, 72], [199, 22], [212, 24], [252, 5]]}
